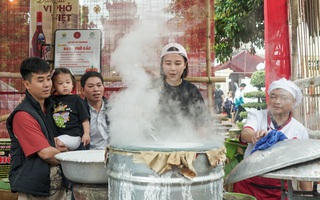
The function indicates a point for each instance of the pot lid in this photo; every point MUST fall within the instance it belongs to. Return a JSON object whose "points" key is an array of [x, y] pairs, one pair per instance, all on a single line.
{"points": [[282, 154], [307, 171]]}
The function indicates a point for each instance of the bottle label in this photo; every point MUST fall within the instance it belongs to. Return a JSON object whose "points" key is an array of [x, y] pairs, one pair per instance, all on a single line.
{"points": [[41, 39]]}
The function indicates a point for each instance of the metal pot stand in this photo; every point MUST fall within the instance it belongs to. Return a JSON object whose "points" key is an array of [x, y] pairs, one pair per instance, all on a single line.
{"points": [[307, 171]]}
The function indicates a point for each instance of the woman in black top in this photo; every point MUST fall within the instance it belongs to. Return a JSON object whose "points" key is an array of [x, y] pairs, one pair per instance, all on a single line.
{"points": [[181, 103]]}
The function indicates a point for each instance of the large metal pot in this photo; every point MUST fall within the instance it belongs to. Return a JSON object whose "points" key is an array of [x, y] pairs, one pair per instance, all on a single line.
{"points": [[87, 166], [130, 178]]}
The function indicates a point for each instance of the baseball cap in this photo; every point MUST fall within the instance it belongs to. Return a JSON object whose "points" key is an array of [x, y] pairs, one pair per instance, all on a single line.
{"points": [[181, 50]]}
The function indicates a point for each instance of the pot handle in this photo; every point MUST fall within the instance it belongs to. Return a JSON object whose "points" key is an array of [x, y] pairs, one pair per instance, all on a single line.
{"points": [[106, 156]]}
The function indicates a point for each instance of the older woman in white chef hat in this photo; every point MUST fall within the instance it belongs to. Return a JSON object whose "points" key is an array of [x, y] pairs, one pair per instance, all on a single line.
{"points": [[283, 95]]}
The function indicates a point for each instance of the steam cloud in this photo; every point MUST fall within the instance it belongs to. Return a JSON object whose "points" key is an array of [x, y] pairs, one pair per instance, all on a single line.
{"points": [[134, 110]]}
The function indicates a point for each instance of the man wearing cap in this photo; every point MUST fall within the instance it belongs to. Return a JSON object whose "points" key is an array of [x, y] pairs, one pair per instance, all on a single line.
{"points": [[284, 95]]}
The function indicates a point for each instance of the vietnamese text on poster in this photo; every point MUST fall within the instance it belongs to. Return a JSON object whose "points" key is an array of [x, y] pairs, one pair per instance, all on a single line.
{"points": [[67, 14], [78, 50]]}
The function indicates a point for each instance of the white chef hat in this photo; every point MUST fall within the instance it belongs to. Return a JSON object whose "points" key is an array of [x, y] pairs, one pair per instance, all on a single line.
{"points": [[289, 86]]}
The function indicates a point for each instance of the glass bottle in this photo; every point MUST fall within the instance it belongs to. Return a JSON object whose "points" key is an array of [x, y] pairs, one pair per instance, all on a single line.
{"points": [[38, 38]]}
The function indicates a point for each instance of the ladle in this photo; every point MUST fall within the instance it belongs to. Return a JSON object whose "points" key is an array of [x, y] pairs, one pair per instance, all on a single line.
{"points": [[151, 131]]}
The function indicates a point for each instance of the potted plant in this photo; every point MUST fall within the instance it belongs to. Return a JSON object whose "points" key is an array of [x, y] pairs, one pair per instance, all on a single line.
{"points": [[258, 81]]}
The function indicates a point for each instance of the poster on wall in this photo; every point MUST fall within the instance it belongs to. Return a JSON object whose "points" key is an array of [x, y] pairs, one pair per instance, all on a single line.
{"points": [[67, 14], [78, 50]]}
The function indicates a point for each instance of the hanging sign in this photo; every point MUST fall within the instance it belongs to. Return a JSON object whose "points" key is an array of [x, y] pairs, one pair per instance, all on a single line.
{"points": [[78, 50]]}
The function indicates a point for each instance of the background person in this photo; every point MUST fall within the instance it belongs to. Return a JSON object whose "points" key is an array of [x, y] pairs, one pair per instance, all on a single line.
{"points": [[34, 171], [93, 89], [70, 111], [218, 99], [283, 96], [228, 104], [238, 102]]}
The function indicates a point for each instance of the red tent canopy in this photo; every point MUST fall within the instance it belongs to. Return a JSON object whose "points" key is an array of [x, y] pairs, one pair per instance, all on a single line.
{"points": [[243, 62]]}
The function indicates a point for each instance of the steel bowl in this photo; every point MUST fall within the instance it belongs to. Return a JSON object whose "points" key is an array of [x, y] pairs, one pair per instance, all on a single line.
{"points": [[87, 166]]}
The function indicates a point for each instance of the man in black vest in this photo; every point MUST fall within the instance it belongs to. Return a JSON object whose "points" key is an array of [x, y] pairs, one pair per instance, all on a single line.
{"points": [[34, 171]]}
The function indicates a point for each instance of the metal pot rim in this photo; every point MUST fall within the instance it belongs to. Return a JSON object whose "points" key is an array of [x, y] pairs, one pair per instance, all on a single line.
{"points": [[83, 156], [166, 146]]}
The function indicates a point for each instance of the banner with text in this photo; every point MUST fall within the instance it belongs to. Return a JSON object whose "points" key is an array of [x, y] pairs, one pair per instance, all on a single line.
{"points": [[78, 50], [67, 14]]}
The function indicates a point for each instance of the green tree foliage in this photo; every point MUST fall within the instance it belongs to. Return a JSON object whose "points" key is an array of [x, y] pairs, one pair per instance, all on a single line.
{"points": [[235, 22], [190, 16], [258, 79]]}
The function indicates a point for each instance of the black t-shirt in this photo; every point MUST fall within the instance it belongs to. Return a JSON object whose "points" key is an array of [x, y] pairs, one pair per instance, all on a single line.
{"points": [[183, 100], [69, 113], [218, 94]]}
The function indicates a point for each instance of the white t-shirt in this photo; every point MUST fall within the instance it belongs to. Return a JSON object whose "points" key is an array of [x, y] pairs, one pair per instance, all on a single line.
{"points": [[258, 120], [238, 93]]}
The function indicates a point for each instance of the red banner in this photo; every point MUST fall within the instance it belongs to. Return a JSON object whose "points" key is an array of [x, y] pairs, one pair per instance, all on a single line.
{"points": [[277, 48]]}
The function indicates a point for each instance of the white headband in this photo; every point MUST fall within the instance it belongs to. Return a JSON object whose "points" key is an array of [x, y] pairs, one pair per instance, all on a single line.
{"points": [[289, 86]]}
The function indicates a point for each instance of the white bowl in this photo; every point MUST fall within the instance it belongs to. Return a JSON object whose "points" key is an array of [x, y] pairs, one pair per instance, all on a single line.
{"points": [[87, 166]]}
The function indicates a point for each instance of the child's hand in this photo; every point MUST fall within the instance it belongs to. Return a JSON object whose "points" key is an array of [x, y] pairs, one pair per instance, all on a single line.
{"points": [[85, 139]]}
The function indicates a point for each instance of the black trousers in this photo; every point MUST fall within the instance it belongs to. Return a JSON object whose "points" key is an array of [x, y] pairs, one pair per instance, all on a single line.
{"points": [[218, 105], [237, 115]]}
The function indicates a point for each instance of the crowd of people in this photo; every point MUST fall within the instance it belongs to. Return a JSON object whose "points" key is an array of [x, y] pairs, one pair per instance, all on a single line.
{"points": [[231, 104], [51, 119]]}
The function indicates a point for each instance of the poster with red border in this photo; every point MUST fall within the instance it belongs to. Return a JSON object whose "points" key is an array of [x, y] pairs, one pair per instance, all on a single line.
{"points": [[78, 50]]}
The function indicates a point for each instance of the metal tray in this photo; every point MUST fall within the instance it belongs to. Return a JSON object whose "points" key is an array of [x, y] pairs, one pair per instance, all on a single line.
{"points": [[280, 155], [306, 171]]}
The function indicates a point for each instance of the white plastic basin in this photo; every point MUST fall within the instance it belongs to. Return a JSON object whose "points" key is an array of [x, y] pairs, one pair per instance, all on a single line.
{"points": [[87, 166]]}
